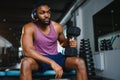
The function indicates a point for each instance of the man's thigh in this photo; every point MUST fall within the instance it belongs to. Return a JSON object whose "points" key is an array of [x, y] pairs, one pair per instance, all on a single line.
{"points": [[70, 62]]}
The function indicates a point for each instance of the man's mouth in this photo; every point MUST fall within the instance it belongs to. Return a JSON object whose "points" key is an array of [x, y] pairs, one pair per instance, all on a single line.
{"points": [[46, 20]]}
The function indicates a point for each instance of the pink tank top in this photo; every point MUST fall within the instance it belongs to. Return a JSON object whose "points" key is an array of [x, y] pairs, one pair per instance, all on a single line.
{"points": [[46, 43]]}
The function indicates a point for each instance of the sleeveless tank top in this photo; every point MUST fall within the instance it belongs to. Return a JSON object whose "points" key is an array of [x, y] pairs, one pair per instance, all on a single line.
{"points": [[46, 44]]}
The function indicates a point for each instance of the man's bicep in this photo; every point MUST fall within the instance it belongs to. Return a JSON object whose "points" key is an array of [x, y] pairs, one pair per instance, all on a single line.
{"points": [[62, 38], [26, 38]]}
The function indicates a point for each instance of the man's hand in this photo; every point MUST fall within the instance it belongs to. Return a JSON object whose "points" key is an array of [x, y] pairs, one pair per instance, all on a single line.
{"points": [[72, 43], [58, 69]]}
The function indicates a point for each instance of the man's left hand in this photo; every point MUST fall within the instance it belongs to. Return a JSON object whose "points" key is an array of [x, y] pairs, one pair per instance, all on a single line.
{"points": [[72, 43]]}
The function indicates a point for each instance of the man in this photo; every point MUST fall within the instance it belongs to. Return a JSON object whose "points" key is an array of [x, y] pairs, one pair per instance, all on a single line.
{"points": [[39, 44]]}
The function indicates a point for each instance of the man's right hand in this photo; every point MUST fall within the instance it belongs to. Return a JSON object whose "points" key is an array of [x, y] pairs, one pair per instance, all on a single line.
{"points": [[58, 69]]}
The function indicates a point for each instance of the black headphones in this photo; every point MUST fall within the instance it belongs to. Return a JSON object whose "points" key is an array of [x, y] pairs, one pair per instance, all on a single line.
{"points": [[34, 15]]}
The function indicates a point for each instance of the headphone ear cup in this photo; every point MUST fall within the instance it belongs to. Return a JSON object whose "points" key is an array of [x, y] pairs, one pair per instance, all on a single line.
{"points": [[34, 15]]}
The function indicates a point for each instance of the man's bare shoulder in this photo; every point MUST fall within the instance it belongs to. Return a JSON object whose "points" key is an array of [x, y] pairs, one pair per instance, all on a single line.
{"points": [[58, 27], [28, 27], [56, 24]]}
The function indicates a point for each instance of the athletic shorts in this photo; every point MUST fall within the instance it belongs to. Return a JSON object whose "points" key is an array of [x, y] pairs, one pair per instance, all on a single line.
{"points": [[58, 58]]}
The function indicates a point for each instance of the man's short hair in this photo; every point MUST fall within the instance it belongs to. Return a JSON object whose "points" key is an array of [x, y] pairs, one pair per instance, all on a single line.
{"points": [[38, 3]]}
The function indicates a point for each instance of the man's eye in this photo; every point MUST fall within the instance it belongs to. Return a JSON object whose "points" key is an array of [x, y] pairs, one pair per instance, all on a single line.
{"points": [[41, 12]]}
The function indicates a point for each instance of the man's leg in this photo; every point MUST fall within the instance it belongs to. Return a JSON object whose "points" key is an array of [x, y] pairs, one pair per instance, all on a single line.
{"points": [[79, 65], [27, 65]]}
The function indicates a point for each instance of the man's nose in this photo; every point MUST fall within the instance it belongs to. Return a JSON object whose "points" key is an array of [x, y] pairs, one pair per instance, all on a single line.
{"points": [[47, 14]]}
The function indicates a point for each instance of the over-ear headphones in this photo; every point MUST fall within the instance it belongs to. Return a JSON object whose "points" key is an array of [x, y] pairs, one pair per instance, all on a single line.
{"points": [[37, 3], [34, 15]]}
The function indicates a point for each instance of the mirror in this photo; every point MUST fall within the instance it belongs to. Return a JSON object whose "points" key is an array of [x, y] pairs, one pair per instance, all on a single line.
{"points": [[107, 27]]}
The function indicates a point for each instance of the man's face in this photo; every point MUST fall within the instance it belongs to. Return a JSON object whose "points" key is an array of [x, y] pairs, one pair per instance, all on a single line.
{"points": [[43, 13]]}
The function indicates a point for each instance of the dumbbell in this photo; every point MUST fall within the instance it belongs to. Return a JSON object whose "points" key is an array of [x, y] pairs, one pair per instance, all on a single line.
{"points": [[72, 33]]}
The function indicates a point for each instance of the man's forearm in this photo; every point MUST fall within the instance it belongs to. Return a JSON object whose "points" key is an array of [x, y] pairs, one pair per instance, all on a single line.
{"points": [[37, 56], [65, 43]]}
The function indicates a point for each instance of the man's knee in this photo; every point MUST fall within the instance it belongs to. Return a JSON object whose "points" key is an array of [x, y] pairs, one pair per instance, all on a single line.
{"points": [[26, 62], [80, 63]]}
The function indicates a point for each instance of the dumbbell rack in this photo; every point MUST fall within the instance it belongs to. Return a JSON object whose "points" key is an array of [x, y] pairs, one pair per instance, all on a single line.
{"points": [[86, 53], [105, 45]]}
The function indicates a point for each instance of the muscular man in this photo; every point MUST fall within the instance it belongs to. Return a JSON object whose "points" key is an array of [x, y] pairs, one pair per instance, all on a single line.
{"points": [[39, 43]]}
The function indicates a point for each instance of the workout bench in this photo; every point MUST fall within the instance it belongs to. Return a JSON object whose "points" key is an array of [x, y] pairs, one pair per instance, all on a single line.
{"points": [[45, 75]]}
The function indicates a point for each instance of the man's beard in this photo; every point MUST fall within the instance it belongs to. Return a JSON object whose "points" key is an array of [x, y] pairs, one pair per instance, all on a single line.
{"points": [[43, 22]]}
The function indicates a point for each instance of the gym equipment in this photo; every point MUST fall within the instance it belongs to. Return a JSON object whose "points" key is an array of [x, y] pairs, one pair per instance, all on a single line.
{"points": [[2, 73], [8, 57], [11, 72], [105, 44], [86, 54], [72, 33], [14, 72]]}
